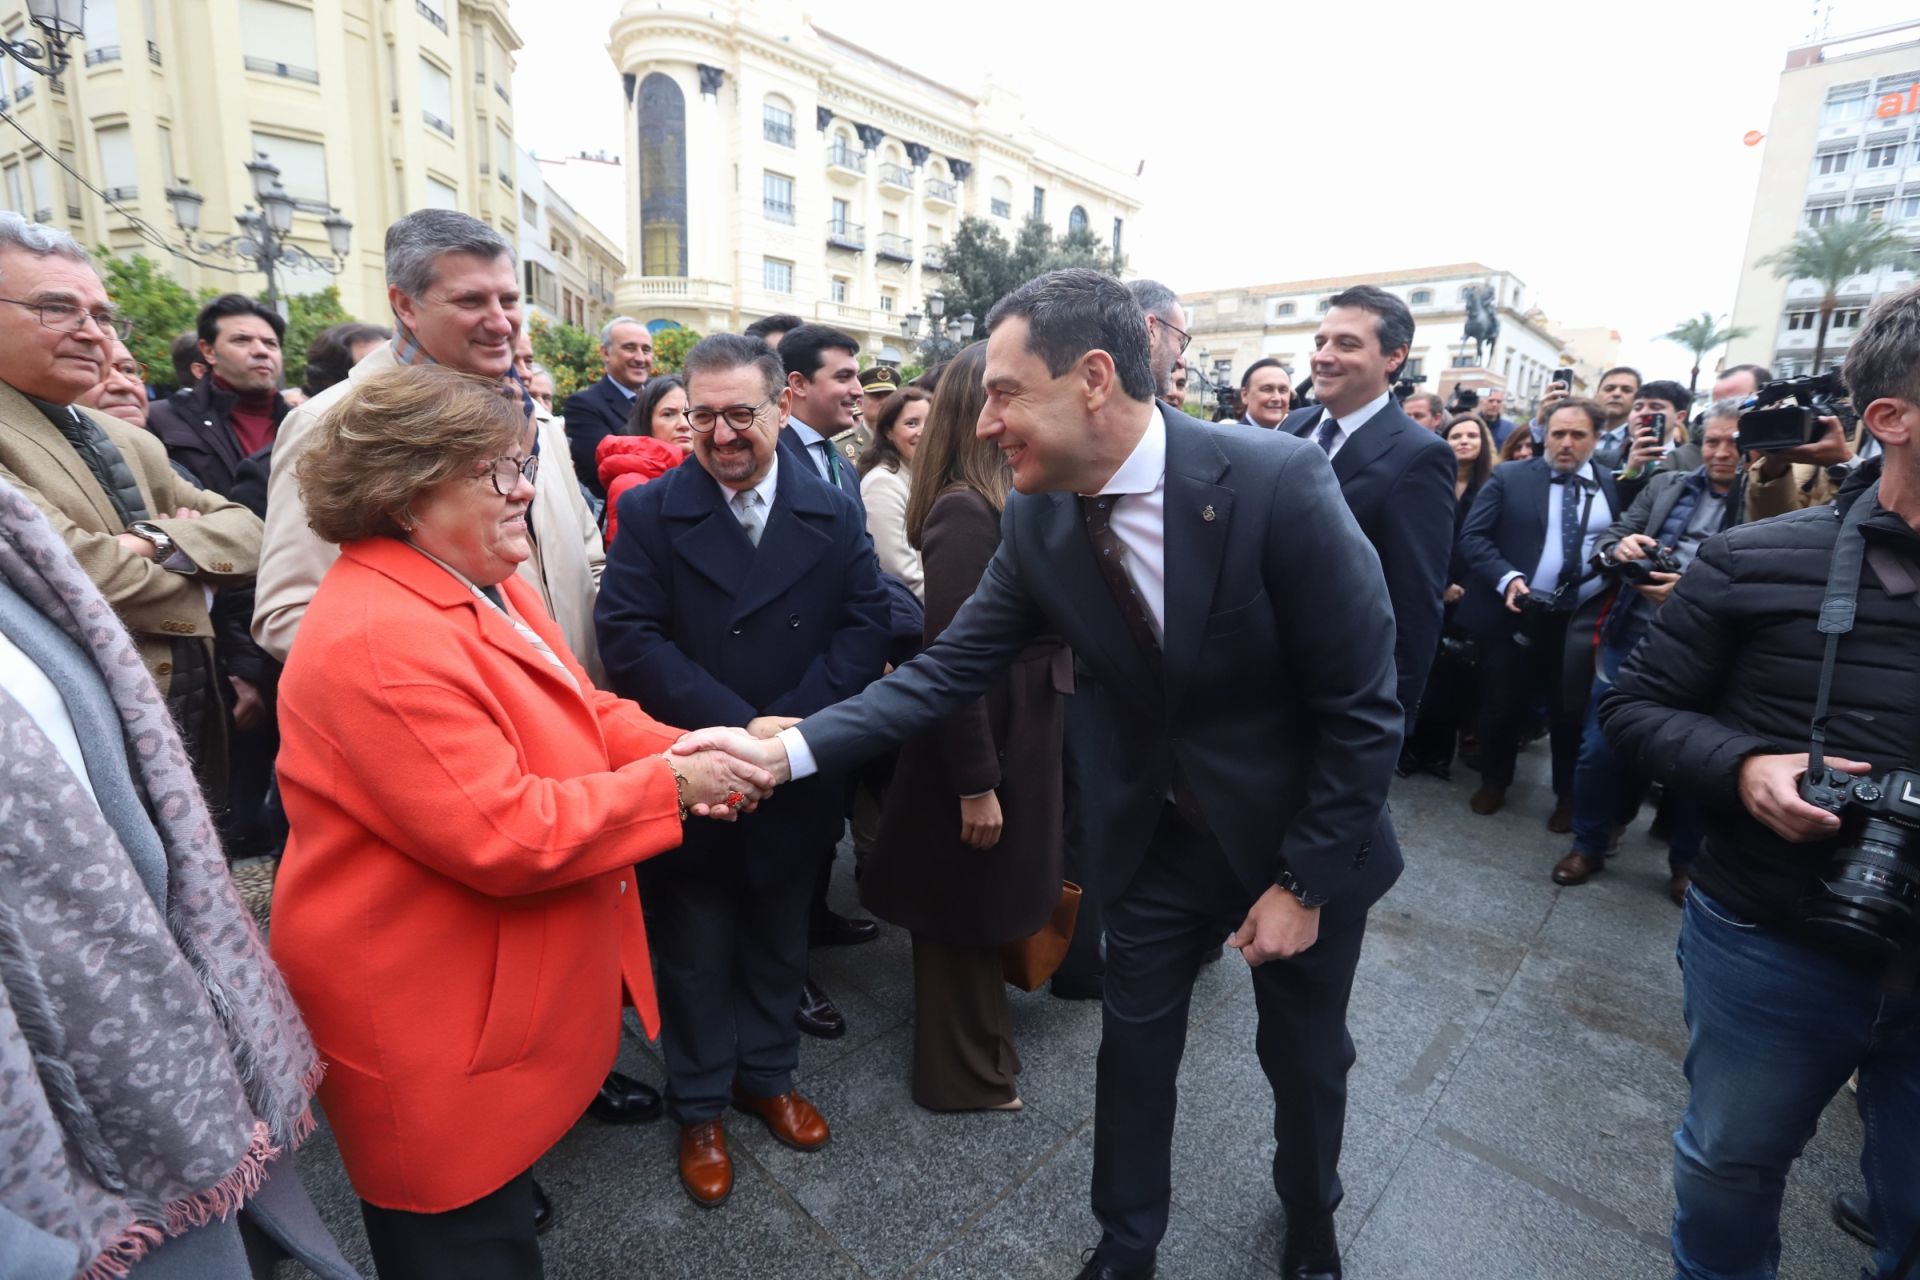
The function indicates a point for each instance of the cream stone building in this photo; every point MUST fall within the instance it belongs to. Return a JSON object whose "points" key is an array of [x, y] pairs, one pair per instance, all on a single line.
{"points": [[1841, 144], [370, 107], [776, 167], [569, 267]]}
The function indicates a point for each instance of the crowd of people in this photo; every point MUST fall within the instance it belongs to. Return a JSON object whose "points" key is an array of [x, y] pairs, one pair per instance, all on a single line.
{"points": [[548, 712]]}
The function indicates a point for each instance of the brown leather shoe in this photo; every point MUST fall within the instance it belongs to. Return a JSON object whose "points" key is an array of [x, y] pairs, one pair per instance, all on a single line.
{"points": [[706, 1170], [1577, 868], [1561, 821], [1487, 800], [1677, 886], [790, 1118]]}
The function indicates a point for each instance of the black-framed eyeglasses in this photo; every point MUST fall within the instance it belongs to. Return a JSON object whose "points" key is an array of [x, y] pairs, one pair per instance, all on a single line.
{"points": [[506, 472], [1185, 337], [738, 416], [69, 318]]}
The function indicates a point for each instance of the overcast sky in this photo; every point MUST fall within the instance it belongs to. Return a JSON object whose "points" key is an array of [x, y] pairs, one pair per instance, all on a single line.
{"points": [[1599, 158]]}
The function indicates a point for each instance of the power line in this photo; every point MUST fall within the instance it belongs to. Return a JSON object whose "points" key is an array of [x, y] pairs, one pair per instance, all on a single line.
{"points": [[139, 225]]}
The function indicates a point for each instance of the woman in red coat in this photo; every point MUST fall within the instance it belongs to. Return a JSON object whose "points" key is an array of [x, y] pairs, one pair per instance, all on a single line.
{"points": [[456, 913]]}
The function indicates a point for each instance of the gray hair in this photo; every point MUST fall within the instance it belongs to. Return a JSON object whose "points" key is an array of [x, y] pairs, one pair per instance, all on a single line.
{"points": [[535, 368], [1883, 360], [606, 330], [1077, 310], [1731, 407], [38, 239], [725, 352], [416, 241], [1153, 297]]}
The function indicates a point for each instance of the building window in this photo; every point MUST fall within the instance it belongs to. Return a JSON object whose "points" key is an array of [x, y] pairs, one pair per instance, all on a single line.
{"points": [[1821, 215], [842, 216], [442, 195], [1116, 239], [1039, 202], [40, 187], [529, 211], [1421, 297], [271, 32], [1799, 320], [1871, 210], [1846, 318], [663, 177], [1076, 221], [1284, 309], [1326, 303], [303, 169], [776, 122], [776, 276], [1910, 206], [1834, 161], [1884, 156], [837, 289], [776, 197], [15, 200], [100, 32], [117, 172], [1002, 202], [436, 97], [887, 300], [1845, 105]]}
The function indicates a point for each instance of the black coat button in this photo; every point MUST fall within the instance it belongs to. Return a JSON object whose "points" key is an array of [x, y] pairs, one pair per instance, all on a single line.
{"points": [[736, 631], [793, 620]]}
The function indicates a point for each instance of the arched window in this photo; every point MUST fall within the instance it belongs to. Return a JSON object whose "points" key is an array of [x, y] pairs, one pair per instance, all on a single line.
{"points": [[1002, 206], [663, 177], [776, 120], [1077, 221], [1284, 309], [1421, 297]]}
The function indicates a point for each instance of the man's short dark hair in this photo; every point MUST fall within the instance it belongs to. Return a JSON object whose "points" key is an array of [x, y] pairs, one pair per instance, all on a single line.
{"points": [[330, 354], [800, 350], [773, 324], [1072, 312], [186, 354], [1265, 362], [1883, 360], [1623, 368], [236, 304], [1596, 416], [1665, 389], [1761, 374], [1394, 320], [724, 352]]}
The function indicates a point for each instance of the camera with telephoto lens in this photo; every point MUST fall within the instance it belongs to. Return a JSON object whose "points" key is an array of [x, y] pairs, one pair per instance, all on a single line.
{"points": [[1870, 885], [1786, 415], [1638, 573]]}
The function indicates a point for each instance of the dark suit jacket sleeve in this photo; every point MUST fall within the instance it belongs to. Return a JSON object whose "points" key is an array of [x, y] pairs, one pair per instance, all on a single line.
{"points": [[957, 544], [861, 638], [1415, 547], [588, 422], [1337, 630], [988, 633], [633, 619], [1486, 563]]}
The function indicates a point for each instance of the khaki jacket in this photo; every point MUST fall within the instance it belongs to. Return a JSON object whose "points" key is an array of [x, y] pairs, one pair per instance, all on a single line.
{"points": [[565, 569], [156, 604]]}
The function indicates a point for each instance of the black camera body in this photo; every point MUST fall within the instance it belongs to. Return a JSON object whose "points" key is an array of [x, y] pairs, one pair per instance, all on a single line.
{"points": [[1870, 885], [1786, 415], [1404, 387], [1638, 572]]}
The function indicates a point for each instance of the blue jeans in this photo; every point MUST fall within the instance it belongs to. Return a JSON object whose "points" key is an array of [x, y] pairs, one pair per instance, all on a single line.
{"points": [[1607, 789], [1774, 1028]]}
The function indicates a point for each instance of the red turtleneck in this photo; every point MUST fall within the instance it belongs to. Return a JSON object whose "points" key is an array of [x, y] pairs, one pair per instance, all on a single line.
{"points": [[251, 416]]}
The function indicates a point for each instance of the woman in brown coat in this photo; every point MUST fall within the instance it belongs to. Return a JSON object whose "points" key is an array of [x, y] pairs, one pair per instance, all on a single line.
{"points": [[969, 855]]}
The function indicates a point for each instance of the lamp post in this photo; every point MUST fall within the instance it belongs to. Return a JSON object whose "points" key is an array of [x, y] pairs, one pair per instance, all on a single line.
{"points": [[59, 21], [261, 239], [945, 335]]}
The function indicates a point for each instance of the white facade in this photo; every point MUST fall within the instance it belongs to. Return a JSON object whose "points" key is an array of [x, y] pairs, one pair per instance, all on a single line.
{"points": [[774, 167], [568, 266]]}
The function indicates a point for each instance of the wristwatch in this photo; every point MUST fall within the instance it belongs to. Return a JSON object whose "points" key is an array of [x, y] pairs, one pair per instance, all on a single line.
{"points": [[1286, 880], [163, 544]]}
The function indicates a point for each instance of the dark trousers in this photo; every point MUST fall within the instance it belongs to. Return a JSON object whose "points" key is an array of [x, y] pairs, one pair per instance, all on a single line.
{"points": [[1182, 901], [1515, 678], [490, 1239], [728, 961], [1083, 964], [963, 1054]]}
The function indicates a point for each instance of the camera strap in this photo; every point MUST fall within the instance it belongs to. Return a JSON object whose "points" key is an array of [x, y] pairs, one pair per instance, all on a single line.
{"points": [[1838, 609]]}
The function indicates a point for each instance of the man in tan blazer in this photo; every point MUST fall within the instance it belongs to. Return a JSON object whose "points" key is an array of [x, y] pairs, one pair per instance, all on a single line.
{"points": [[155, 546]]}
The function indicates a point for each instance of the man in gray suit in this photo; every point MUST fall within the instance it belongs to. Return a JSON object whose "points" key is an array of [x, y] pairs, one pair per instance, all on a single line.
{"points": [[1216, 584]]}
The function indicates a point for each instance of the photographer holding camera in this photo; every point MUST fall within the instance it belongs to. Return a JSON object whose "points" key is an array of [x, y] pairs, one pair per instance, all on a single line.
{"points": [[1646, 551], [1657, 436], [1798, 940]]}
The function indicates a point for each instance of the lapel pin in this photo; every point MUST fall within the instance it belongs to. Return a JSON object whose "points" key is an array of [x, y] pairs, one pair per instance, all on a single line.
{"points": [[1206, 513]]}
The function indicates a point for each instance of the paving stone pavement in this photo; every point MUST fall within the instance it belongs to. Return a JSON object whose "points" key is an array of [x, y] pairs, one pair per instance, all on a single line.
{"points": [[1511, 1110]]}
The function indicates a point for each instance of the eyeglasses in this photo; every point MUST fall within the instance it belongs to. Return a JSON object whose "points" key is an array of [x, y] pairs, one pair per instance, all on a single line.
{"points": [[738, 416], [131, 369], [71, 319], [506, 472], [1185, 337]]}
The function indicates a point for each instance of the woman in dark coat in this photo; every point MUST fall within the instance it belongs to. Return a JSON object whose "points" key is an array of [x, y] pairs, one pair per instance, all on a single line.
{"points": [[969, 856]]}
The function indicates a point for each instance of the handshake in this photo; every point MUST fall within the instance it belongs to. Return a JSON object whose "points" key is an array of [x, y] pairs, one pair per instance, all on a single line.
{"points": [[724, 772]]}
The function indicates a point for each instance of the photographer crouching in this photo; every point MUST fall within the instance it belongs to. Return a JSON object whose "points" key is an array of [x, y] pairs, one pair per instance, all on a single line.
{"points": [[1786, 638]]}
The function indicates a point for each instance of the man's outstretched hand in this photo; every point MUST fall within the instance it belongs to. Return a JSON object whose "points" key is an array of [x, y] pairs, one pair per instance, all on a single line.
{"points": [[767, 753]]}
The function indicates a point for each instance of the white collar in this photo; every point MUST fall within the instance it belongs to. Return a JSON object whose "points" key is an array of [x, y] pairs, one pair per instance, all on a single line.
{"points": [[765, 488], [621, 387], [1359, 418], [808, 436], [1146, 466]]}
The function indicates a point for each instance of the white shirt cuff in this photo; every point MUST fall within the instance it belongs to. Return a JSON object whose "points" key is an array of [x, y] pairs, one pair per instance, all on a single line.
{"points": [[800, 762], [1506, 581]]}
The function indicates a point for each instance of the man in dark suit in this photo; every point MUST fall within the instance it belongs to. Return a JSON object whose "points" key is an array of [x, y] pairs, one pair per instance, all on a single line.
{"points": [[1532, 531], [601, 410], [1266, 394], [823, 377], [1396, 476], [1255, 729], [738, 589]]}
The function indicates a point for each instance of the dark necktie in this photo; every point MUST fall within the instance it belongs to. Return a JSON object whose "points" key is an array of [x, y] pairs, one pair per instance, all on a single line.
{"points": [[1573, 529], [830, 458], [1324, 437], [1109, 553]]}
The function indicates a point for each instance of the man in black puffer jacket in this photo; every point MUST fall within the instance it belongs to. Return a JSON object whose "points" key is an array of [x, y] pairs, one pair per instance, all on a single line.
{"points": [[1719, 700]]}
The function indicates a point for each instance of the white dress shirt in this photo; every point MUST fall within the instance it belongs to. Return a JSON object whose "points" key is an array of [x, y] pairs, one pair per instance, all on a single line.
{"points": [[1546, 574], [1351, 423], [808, 438], [765, 489]]}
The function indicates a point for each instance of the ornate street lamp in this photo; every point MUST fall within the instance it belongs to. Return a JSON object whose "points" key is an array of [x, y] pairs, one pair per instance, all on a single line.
{"points": [[966, 325], [261, 239], [910, 327], [60, 21]]}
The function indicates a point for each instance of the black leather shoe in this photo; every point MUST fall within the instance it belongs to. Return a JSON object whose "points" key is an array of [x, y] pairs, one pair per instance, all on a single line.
{"points": [[1311, 1250], [542, 1210], [1094, 1267], [1850, 1215], [830, 929], [624, 1100], [816, 1015]]}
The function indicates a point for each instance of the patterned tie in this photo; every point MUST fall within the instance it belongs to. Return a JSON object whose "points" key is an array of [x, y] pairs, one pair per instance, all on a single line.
{"points": [[1573, 529], [746, 507], [1329, 429]]}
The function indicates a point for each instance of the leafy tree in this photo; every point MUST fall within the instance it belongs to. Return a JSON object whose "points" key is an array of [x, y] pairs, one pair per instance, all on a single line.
{"points": [[160, 307], [982, 267], [1831, 254], [1701, 334], [307, 315], [670, 347], [570, 354]]}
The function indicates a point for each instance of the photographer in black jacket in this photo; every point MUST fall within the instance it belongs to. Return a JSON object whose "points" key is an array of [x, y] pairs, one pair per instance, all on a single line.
{"points": [[1782, 1006]]}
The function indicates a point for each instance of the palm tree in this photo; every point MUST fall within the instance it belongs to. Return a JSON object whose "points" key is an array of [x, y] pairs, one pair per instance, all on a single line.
{"points": [[1700, 335], [1831, 254]]}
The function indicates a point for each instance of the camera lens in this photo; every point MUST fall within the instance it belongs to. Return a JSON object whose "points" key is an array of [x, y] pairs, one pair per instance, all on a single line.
{"points": [[1871, 891]]}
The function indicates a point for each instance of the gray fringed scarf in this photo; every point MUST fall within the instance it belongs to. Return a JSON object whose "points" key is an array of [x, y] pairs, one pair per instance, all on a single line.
{"points": [[150, 1064]]}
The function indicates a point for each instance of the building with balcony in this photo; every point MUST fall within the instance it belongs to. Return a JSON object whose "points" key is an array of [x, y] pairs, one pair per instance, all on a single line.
{"points": [[1841, 144], [371, 107], [569, 267], [1232, 328], [775, 167]]}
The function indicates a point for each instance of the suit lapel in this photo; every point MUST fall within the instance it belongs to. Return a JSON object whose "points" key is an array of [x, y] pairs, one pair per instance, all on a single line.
{"points": [[1364, 446], [24, 418], [1101, 635], [706, 535], [792, 543], [1199, 516]]}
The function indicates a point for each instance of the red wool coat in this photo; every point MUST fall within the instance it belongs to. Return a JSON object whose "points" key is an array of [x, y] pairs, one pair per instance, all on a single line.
{"points": [[456, 913]]}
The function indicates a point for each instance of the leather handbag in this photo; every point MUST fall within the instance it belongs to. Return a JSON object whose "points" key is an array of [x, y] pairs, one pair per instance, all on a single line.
{"points": [[1032, 960]]}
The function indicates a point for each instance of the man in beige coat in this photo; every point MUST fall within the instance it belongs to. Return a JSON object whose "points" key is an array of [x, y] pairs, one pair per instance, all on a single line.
{"points": [[452, 283], [155, 546]]}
